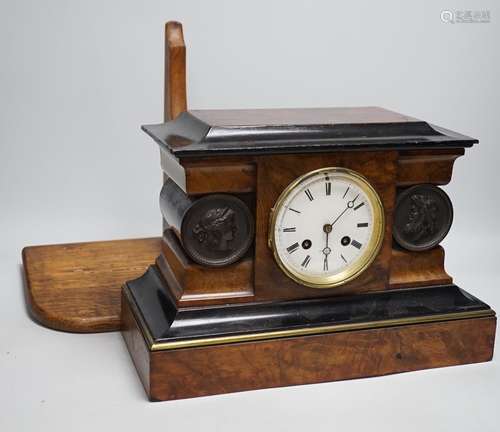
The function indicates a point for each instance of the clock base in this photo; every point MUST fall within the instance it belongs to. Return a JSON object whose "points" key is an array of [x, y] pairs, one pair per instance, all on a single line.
{"points": [[183, 353]]}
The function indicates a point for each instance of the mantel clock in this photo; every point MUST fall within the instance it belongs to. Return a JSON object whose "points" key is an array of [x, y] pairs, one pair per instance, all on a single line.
{"points": [[298, 246]]}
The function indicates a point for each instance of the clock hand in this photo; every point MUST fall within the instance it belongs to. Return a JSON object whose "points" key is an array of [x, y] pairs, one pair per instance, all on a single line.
{"points": [[350, 204], [339, 216], [327, 228]]}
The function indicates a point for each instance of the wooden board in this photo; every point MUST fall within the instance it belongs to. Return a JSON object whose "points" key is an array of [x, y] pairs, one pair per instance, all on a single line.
{"points": [[76, 287]]}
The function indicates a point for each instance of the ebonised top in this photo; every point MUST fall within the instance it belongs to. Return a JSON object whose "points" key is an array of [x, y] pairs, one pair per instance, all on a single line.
{"points": [[246, 132]]}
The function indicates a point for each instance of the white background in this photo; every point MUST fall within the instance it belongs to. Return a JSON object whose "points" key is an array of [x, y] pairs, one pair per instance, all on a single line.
{"points": [[78, 78]]}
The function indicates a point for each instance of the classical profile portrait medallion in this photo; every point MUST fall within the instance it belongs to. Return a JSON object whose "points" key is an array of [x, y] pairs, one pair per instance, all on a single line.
{"points": [[422, 217], [217, 230]]}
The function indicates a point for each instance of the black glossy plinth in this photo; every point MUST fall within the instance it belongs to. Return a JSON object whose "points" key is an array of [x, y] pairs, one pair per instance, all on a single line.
{"points": [[164, 323]]}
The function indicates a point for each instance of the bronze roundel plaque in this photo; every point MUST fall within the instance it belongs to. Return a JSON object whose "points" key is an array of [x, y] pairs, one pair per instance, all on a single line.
{"points": [[422, 217], [217, 230]]}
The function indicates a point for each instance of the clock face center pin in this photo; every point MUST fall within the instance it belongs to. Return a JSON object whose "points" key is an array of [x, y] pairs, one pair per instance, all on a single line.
{"points": [[327, 228]]}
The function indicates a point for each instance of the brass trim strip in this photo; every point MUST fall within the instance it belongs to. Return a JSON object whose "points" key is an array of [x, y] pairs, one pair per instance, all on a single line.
{"points": [[278, 334]]}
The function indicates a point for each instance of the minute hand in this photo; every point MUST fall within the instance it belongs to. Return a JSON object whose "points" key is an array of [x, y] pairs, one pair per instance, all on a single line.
{"points": [[350, 204]]}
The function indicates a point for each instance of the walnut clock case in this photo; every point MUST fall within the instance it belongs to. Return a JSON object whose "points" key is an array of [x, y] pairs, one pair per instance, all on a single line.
{"points": [[300, 246], [318, 233]]}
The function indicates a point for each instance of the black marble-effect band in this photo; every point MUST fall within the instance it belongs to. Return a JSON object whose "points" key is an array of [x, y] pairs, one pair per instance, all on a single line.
{"points": [[167, 324]]}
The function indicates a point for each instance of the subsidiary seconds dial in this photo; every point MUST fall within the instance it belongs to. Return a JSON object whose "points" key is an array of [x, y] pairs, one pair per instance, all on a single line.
{"points": [[326, 227]]}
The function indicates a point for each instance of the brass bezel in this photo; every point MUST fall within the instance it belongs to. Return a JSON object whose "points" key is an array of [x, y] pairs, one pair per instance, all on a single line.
{"points": [[372, 249]]}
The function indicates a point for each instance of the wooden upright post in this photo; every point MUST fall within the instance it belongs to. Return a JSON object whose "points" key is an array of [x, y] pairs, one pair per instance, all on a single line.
{"points": [[175, 71]]}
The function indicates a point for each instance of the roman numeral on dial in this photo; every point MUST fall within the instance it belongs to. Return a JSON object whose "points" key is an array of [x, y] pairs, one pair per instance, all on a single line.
{"points": [[292, 248], [306, 261], [328, 188], [293, 229], [356, 244], [309, 194]]}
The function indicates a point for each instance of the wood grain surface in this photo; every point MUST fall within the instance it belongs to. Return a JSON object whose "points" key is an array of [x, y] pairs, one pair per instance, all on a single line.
{"points": [[414, 269], [426, 166], [278, 171], [239, 174], [193, 372], [227, 175], [76, 287], [175, 97], [302, 116], [193, 284]]}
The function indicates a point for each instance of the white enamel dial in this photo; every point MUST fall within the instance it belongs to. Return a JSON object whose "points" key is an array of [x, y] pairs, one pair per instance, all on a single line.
{"points": [[326, 227]]}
